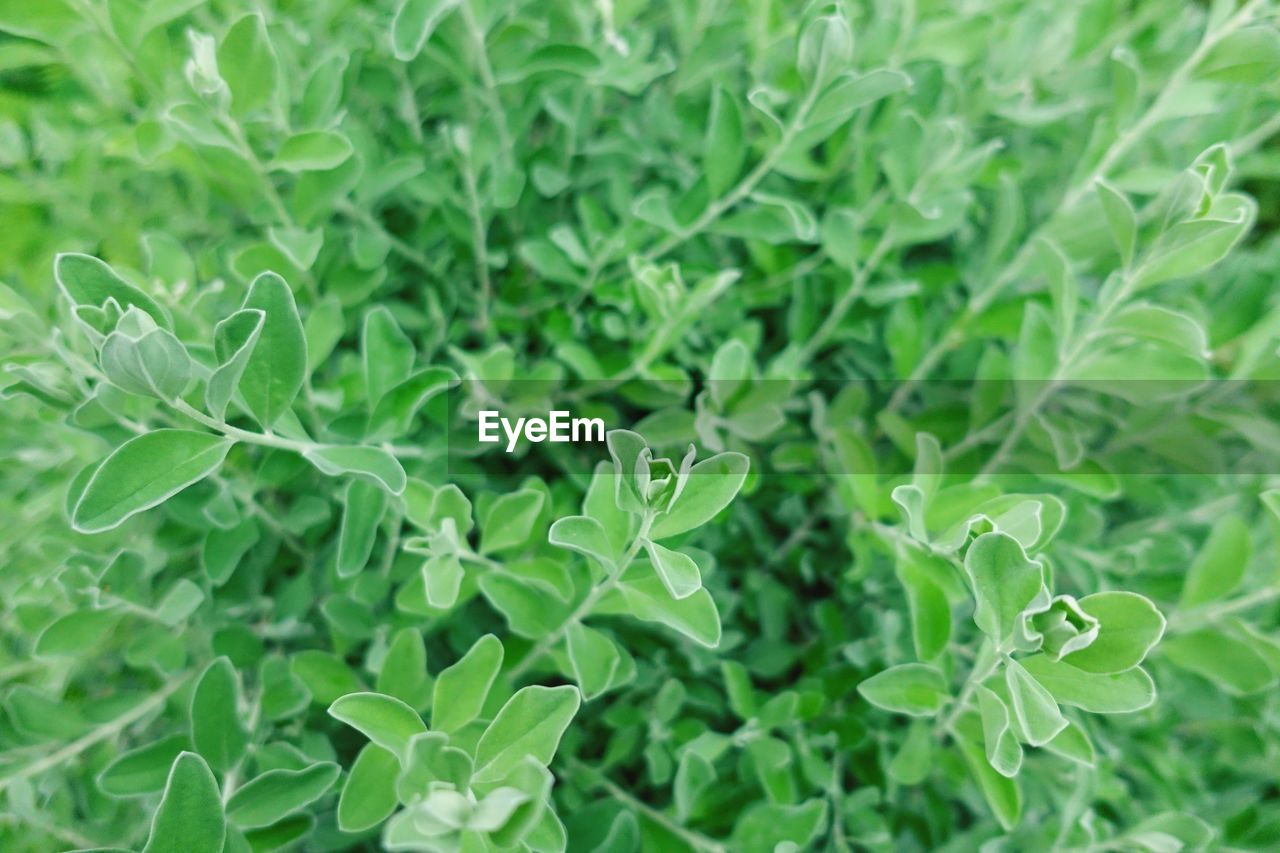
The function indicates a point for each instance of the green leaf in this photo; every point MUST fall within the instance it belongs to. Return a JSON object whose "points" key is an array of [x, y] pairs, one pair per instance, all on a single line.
{"points": [[300, 246], [1121, 220], [1073, 744], [630, 455], [1005, 581], [914, 759], [928, 605], [143, 770], [85, 280], [80, 632], [1233, 664], [277, 367], [247, 62], [403, 674], [527, 604], [594, 659], [312, 150], [1160, 325], [1129, 628], [1002, 794], [1118, 693], [1250, 56], [396, 412], [582, 534], [372, 463], [322, 330], [369, 794], [363, 506], [1220, 565], [179, 602], [1065, 627], [646, 597], [387, 353], [442, 574], [324, 675], [709, 487], [386, 721], [1033, 706], [145, 472], [49, 22], [224, 550], [910, 688], [843, 98], [825, 48], [509, 521], [413, 24], [189, 818], [1004, 752], [1191, 247], [234, 340], [217, 724], [276, 794], [462, 688], [529, 725], [694, 776], [723, 150], [153, 363], [677, 571], [431, 760], [281, 835], [766, 827]]}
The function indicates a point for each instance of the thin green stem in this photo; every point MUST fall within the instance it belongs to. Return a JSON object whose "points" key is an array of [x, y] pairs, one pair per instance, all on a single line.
{"points": [[1118, 149], [1062, 373], [888, 531], [984, 665], [610, 29], [272, 194], [485, 69], [276, 441], [67, 836], [397, 245], [846, 301], [696, 840], [97, 735], [479, 244], [744, 187], [1187, 620], [548, 642], [102, 21]]}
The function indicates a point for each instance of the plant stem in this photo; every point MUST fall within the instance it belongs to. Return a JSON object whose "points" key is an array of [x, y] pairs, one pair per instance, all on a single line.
{"points": [[584, 609], [744, 187], [983, 666], [485, 69], [1060, 374], [274, 199], [1118, 148], [1198, 617], [696, 840], [846, 301], [276, 441], [398, 245], [67, 836], [99, 734], [479, 243], [102, 21]]}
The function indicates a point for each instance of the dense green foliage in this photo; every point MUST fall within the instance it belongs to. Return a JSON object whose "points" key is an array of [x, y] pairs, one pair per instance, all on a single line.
{"points": [[264, 263]]}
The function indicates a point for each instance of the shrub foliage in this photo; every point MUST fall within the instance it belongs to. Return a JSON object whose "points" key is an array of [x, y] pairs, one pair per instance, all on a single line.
{"points": [[922, 331]]}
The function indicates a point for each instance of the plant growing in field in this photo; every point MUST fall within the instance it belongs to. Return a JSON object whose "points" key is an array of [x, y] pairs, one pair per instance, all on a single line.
{"points": [[938, 507]]}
